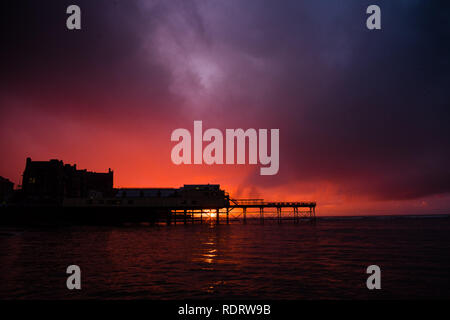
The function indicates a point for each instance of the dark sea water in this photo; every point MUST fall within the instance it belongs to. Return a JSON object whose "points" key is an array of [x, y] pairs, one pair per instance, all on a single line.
{"points": [[325, 260]]}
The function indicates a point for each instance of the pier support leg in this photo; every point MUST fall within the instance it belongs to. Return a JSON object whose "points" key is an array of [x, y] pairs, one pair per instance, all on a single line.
{"points": [[228, 213], [279, 214], [185, 216], [217, 216], [201, 216], [245, 214], [169, 217], [192, 216], [261, 214]]}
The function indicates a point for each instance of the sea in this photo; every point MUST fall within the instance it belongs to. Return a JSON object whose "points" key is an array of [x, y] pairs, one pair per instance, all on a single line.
{"points": [[323, 259]]}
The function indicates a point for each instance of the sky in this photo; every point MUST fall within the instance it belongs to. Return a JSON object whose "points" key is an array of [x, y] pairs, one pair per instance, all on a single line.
{"points": [[363, 114]]}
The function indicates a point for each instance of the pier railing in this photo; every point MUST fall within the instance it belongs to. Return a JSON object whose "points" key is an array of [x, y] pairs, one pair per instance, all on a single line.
{"points": [[270, 204]]}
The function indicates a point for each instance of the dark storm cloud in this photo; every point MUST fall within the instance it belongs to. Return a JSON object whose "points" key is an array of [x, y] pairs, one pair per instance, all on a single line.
{"points": [[105, 60], [366, 111]]}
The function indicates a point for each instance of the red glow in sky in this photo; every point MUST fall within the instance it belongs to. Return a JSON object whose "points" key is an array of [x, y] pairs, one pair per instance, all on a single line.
{"points": [[110, 95]]}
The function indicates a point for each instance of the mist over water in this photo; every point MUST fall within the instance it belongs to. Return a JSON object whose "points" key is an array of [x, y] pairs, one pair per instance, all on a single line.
{"points": [[325, 260]]}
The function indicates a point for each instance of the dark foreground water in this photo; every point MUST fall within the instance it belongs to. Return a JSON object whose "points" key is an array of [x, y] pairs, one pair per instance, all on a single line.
{"points": [[288, 261]]}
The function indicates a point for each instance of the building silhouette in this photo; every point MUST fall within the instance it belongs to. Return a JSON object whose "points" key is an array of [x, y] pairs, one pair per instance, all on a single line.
{"points": [[6, 190], [53, 181]]}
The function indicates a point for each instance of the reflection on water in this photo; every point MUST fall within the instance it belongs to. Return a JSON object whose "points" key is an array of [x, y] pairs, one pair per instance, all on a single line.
{"points": [[288, 261], [207, 252]]}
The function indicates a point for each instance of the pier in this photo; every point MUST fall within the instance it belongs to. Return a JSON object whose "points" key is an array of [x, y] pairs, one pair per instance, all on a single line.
{"points": [[241, 210], [71, 195]]}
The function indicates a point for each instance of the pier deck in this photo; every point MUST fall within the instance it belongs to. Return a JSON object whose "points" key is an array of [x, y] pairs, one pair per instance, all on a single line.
{"points": [[241, 209]]}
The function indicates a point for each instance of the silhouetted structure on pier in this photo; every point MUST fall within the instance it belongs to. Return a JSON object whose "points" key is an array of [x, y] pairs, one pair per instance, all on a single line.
{"points": [[162, 199]]}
